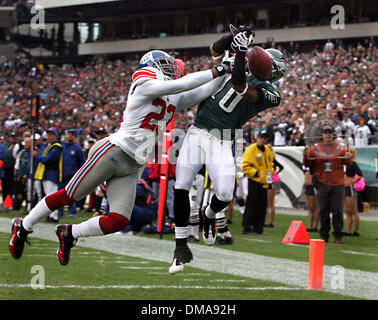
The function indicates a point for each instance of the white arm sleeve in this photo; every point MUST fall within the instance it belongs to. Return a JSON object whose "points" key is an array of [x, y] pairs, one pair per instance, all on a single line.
{"points": [[193, 97], [158, 88]]}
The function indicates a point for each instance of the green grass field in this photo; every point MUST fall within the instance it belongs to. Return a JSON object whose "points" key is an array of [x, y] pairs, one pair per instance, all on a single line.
{"points": [[96, 274]]}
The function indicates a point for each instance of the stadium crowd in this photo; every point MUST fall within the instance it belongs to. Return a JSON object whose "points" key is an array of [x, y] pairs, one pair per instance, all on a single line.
{"points": [[330, 80]]}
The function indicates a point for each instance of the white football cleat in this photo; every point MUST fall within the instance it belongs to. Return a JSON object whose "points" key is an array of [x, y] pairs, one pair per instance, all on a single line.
{"points": [[181, 256], [176, 266], [210, 240]]}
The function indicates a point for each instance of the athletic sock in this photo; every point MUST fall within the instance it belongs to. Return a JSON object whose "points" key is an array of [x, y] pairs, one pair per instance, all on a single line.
{"points": [[40, 211], [215, 206], [45, 207], [181, 232], [87, 228], [194, 230], [210, 212], [181, 207], [220, 221]]}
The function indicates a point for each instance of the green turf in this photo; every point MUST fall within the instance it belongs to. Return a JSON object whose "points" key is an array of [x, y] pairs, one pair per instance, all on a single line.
{"points": [[89, 267]]}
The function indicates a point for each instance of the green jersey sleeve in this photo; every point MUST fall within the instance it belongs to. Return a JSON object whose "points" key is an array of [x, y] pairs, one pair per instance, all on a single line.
{"points": [[269, 97]]}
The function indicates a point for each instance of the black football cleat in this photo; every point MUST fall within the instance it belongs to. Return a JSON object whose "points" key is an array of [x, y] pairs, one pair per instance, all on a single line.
{"points": [[182, 255], [66, 242], [18, 238], [224, 239]]}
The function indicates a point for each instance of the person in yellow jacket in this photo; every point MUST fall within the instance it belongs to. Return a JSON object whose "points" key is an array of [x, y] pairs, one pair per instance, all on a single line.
{"points": [[257, 165], [50, 167]]}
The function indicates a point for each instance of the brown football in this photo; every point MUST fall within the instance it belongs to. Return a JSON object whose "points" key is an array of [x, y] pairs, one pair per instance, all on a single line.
{"points": [[260, 63]]}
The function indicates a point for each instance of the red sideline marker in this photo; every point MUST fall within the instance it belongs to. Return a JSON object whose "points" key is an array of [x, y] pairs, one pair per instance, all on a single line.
{"points": [[315, 264], [296, 233], [8, 202]]}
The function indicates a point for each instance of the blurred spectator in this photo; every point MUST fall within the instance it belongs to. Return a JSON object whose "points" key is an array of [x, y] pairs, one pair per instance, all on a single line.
{"points": [[329, 46], [101, 133], [361, 134], [8, 167], [257, 165], [352, 175], [373, 124], [21, 174], [37, 185], [49, 169], [73, 159], [348, 124], [311, 201], [2, 155], [280, 135], [272, 191], [220, 27]]}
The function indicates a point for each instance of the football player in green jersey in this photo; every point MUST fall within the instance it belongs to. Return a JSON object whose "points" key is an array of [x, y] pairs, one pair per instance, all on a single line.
{"points": [[209, 140]]}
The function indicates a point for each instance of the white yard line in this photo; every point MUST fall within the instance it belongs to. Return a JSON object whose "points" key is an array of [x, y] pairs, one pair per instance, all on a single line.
{"points": [[186, 274], [143, 268], [131, 286], [294, 273], [128, 262], [215, 280], [360, 253], [257, 240]]}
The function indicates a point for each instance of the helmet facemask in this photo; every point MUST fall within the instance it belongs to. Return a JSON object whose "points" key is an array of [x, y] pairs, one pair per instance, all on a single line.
{"points": [[167, 66]]}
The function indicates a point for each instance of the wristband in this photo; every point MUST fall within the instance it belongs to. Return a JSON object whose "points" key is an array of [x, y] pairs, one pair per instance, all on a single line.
{"points": [[221, 70], [218, 57], [244, 91]]}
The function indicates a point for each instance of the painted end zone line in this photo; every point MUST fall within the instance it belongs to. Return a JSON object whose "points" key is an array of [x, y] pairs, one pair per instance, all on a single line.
{"points": [[131, 286], [360, 253]]}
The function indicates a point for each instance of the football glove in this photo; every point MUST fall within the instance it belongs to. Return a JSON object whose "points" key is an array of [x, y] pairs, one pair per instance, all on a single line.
{"points": [[249, 32], [240, 42]]}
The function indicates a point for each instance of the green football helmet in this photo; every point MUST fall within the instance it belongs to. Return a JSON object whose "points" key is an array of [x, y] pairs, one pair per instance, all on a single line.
{"points": [[279, 64]]}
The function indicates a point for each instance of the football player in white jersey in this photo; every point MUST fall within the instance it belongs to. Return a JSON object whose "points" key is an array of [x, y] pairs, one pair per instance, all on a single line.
{"points": [[155, 94]]}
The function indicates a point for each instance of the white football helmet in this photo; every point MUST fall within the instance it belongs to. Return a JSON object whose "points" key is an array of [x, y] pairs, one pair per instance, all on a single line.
{"points": [[162, 61]]}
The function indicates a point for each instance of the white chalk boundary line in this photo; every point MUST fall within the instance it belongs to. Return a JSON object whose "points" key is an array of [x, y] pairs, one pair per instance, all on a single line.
{"points": [[215, 280], [256, 240], [360, 253], [357, 283], [185, 274], [131, 286], [143, 268], [129, 262]]}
